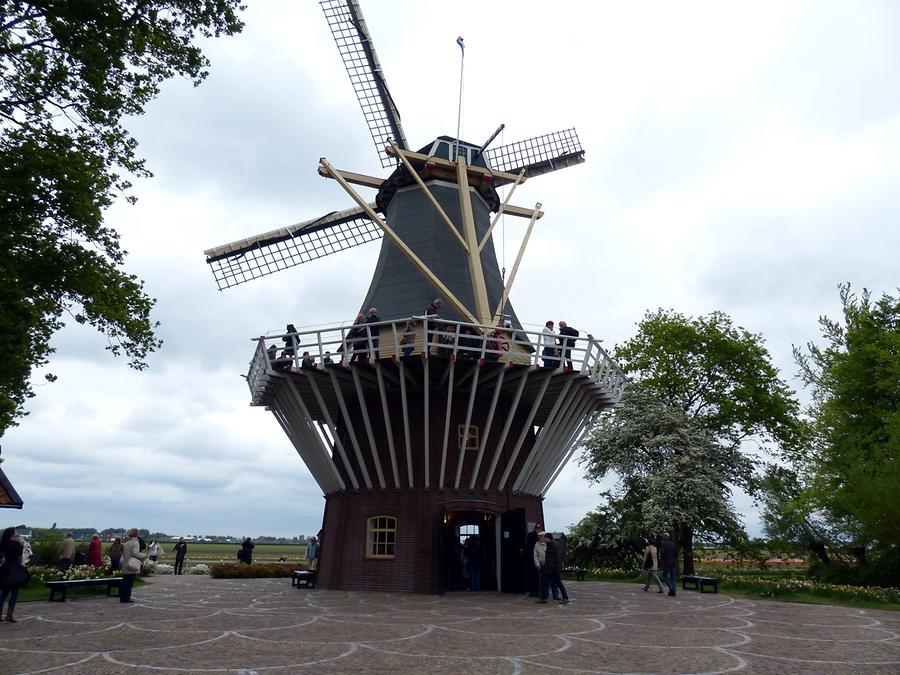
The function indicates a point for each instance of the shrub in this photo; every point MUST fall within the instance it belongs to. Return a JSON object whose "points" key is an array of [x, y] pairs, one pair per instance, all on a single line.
{"points": [[254, 571], [163, 568], [45, 549], [199, 568]]}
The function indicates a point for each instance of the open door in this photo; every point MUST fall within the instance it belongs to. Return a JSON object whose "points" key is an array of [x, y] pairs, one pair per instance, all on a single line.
{"points": [[513, 567]]}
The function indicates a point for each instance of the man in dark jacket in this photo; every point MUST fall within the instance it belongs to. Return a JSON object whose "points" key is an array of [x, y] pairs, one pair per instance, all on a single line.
{"points": [[180, 552], [668, 554], [566, 340]]}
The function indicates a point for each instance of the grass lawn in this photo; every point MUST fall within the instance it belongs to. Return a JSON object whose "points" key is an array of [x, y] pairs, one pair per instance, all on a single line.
{"points": [[208, 552]]}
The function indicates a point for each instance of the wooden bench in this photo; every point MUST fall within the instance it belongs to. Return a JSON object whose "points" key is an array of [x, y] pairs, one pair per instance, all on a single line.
{"points": [[64, 586], [306, 577], [698, 583], [576, 572]]}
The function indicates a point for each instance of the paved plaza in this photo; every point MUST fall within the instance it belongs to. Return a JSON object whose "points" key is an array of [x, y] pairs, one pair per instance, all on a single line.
{"points": [[199, 625]]}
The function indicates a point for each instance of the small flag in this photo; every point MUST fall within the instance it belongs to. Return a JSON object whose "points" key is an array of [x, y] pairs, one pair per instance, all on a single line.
{"points": [[461, 44]]}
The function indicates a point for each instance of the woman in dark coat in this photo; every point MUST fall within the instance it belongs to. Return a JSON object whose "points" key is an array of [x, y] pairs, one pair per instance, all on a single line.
{"points": [[247, 551], [13, 574]]}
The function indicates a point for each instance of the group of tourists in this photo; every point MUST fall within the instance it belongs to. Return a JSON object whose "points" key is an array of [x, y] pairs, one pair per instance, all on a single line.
{"points": [[665, 557], [360, 344]]}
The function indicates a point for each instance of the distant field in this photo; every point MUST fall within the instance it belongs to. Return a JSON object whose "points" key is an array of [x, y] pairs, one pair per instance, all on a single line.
{"points": [[228, 552]]}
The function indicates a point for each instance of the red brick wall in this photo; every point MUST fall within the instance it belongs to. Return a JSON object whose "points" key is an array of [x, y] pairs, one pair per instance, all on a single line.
{"points": [[415, 567]]}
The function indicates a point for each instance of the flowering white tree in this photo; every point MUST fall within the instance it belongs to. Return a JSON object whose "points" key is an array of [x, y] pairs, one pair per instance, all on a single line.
{"points": [[701, 388]]}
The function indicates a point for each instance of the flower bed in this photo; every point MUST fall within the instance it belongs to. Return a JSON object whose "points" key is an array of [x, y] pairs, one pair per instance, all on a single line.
{"points": [[775, 588], [46, 573], [613, 574], [254, 571]]}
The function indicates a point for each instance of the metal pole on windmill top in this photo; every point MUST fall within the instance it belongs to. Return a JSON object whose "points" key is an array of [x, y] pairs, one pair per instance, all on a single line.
{"points": [[462, 60]]}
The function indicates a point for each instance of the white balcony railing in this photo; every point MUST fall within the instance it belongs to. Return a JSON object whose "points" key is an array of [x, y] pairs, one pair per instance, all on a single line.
{"points": [[430, 337]]}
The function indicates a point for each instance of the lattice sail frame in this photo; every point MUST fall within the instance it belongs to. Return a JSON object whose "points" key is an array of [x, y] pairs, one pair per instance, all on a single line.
{"points": [[538, 155], [358, 54], [265, 254]]}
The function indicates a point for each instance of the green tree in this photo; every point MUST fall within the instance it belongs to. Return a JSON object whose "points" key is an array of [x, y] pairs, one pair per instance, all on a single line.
{"points": [[790, 521], [70, 70], [611, 536], [852, 467], [702, 389]]}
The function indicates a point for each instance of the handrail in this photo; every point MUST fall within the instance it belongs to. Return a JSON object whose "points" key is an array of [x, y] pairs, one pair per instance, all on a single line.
{"points": [[429, 336]]}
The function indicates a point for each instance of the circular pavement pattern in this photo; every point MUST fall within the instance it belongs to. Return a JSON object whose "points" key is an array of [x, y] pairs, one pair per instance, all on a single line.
{"points": [[201, 625]]}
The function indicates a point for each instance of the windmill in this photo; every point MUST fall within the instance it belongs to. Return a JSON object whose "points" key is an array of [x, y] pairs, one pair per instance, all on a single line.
{"points": [[372, 409]]}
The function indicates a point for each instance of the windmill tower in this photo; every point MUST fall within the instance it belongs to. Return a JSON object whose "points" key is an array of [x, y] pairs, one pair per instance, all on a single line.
{"points": [[423, 427]]}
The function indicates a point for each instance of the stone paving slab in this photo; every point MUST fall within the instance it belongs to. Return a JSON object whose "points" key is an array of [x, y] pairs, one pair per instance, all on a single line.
{"points": [[193, 624]]}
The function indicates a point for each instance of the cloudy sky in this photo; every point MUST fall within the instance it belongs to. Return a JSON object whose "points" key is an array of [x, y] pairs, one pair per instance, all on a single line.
{"points": [[743, 159]]}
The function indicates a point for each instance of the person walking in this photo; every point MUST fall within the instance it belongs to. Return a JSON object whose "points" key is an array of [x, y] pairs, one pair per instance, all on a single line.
{"points": [[669, 558], [95, 552], [180, 552], [115, 555], [651, 565], [66, 552], [13, 574], [312, 554], [132, 559]]}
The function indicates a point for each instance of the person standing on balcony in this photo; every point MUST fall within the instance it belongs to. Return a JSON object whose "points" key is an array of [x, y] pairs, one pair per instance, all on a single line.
{"points": [[549, 351], [433, 309], [566, 340], [374, 330]]}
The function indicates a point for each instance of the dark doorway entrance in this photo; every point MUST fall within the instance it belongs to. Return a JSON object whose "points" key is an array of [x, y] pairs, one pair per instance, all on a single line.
{"points": [[513, 560], [468, 550]]}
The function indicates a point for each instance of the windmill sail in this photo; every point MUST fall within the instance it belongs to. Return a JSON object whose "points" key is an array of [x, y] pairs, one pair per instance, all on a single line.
{"points": [[271, 252], [538, 155], [358, 54]]}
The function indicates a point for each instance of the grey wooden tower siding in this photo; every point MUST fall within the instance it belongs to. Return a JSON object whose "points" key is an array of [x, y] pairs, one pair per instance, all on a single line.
{"points": [[398, 289]]}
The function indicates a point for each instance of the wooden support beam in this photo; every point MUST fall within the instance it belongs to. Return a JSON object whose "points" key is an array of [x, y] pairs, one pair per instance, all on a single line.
{"points": [[515, 269], [355, 178], [503, 207], [476, 271], [523, 212], [368, 424], [487, 430]]}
